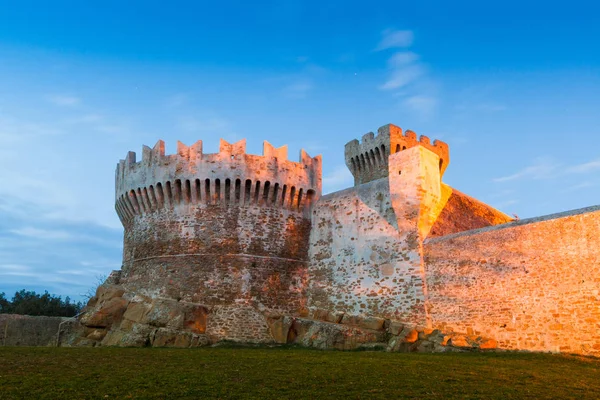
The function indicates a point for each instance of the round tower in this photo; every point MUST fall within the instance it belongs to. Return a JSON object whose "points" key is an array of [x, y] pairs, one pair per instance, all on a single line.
{"points": [[227, 230]]}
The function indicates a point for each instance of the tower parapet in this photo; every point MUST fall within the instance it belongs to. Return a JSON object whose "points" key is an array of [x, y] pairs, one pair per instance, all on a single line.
{"points": [[368, 159], [229, 178]]}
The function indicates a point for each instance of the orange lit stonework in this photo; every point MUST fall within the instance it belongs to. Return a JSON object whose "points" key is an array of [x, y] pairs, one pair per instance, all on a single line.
{"points": [[232, 246]]}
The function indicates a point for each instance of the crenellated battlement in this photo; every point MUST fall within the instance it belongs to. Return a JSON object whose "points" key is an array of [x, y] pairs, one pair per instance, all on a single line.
{"points": [[367, 159], [227, 178]]}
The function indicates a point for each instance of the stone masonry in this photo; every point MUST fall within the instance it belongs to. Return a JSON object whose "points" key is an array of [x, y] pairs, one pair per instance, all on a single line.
{"points": [[237, 247]]}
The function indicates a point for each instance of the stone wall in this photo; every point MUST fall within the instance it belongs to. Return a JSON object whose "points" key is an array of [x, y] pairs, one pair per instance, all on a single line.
{"points": [[224, 232], [530, 285], [365, 246], [360, 262], [27, 330], [215, 255]]}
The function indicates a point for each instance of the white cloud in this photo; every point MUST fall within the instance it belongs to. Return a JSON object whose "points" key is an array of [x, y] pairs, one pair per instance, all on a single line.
{"points": [[64, 100], [543, 168], [404, 69], [41, 233], [392, 38], [584, 168], [403, 58]]}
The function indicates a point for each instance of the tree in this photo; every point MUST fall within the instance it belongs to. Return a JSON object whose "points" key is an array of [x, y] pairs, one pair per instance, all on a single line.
{"points": [[4, 304], [30, 303]]}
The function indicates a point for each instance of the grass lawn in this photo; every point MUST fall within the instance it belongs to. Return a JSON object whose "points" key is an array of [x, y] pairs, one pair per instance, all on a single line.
{"points": [[100, 373]]}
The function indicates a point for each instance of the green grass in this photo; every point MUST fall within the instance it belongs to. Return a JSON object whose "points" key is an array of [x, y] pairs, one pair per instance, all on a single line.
{"points": [[100, 373]]}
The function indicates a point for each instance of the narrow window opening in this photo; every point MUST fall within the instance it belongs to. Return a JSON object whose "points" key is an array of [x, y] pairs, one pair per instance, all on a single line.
{"points": [[142, 201], [178, 191], [378, 155], [292, 196], [275, 193], [383, 153], [198, 190], [256, 192], [153, 197], [187, 194], [300, 199], [238, 190], [169, 193], [397, 148], [266, 192], [148, 200], [283, 193], [227, 190], [207, 191], [217, 190], [134, 201], [161, 194], [441, 163], [247, 191], [373, 159]]}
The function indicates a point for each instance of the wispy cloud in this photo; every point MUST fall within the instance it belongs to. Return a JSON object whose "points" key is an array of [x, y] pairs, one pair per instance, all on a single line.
{"points": [[543, 168], [393, 39], [404, 69], [64, 100], [585, 168], [407, 75], [546, 168], [37, 233], [298, 90]]}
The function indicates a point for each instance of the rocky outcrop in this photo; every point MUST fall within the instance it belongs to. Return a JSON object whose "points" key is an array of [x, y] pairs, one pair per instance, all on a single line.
{"points": [[115, 317]]}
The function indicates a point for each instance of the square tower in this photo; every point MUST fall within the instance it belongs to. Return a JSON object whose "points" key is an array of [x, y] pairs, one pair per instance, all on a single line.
{"points": [[368, 160]]}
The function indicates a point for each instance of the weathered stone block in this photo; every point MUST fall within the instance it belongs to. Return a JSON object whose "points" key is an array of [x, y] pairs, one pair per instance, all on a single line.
{"points": [[280, 328], [106, 314], [137, 312], [368, 322]]}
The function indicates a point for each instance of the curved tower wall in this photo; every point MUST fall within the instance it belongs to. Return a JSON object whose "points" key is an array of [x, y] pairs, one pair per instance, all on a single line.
{"points": [[218, 229]]}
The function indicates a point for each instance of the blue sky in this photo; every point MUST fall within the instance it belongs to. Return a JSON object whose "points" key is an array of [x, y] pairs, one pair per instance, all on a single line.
{"points": [[512, 87]]}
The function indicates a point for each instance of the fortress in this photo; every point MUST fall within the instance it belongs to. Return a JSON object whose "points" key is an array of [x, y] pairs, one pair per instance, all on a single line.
{"points": [[237, 247]]}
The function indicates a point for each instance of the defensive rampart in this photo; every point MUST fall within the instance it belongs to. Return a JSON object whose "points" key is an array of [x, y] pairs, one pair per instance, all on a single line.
{"points": [[530, 284]]}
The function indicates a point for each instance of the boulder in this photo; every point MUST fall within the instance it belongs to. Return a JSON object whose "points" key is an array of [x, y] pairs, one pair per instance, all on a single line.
{"points": [[137, 312], [165, 337], [326, 335], [372, 323], [165, 312], [280, 328], [106, 313]]}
